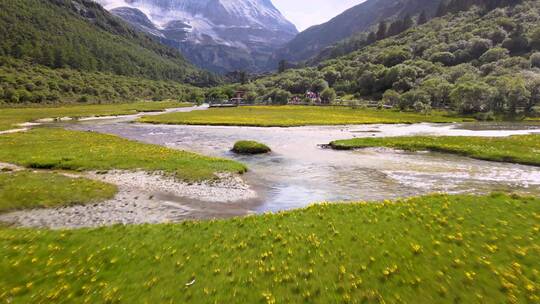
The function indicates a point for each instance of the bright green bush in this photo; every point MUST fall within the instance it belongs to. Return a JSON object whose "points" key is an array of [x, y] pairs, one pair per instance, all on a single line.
{"points": [[250, 147]]}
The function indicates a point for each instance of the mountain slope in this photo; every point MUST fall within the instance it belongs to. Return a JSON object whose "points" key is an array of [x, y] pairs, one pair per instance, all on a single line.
{"points": [[221, 35], [356, 19], [476, 61], [80, 35]]}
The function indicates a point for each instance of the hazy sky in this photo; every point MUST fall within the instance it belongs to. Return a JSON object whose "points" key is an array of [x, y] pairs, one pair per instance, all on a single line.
{"points": [[305, 13]]}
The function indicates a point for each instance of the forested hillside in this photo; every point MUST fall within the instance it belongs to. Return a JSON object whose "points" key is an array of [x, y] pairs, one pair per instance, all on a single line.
{"points": [[24, 83], [482, 60], [81, 35], [357, 19], [395, 26]]}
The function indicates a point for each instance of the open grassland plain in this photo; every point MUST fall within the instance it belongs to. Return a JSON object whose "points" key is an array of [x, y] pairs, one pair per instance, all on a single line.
{"points": [[521, 149], [57, 149], [292, 116], [10, 117], [23, 190], [434, 249]]}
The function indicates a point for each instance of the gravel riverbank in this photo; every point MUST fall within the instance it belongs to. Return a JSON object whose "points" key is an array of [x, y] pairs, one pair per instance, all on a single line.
{"points": [[143, 198]]}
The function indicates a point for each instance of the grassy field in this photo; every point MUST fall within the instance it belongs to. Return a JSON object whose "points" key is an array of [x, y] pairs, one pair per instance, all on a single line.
{"points": [[522, 149], [435, 249], [11, 116], [21, 190], [46, 148], [290, 116]]}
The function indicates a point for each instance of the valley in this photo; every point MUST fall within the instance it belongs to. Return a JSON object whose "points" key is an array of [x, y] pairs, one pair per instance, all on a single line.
{"points": [[182, 151]]}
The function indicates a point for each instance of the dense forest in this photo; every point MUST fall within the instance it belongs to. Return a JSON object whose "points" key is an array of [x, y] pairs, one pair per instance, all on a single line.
{"points": [[24, 83], [81, 35], [391, 27], [481, 60]]}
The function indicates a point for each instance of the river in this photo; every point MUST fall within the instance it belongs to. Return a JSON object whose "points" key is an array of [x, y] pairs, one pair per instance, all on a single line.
{"points": [[299, 172]]}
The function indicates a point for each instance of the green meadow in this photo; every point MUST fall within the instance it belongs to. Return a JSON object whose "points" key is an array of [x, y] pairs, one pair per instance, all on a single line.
{"points": [[522, 149], [291, 116], [23, 190], [11, 116], [57, 149], [434, 249]]}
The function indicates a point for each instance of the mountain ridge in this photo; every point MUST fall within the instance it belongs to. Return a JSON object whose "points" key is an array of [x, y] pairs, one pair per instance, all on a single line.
{"points": [[356, 19], [220, 35], [81, 35]]}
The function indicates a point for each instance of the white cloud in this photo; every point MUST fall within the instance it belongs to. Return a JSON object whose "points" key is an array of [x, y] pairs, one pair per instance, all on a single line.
{"points": [[110, 4]]}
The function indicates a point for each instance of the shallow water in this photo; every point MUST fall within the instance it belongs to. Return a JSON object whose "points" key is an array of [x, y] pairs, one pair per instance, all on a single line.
{"points": [[299, 172]]}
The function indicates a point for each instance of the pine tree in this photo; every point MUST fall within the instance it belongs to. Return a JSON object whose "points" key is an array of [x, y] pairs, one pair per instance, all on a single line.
{"points": [[407, 23], [372, 38], [395, 28], [382, 31], [282, 66], [422, 18]]}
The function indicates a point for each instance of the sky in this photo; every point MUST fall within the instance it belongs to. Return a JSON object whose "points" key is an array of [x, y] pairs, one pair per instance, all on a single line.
{"points": [[305, 13]]}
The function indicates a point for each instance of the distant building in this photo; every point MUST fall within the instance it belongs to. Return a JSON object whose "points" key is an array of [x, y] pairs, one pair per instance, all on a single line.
{"points": [[239, 97]]}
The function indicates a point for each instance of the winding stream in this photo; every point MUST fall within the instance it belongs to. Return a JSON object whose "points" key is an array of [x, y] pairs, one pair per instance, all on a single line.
{"points": [[299, 172]]}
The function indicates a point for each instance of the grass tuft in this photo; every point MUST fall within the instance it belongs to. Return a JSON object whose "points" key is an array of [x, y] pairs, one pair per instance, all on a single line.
{"points": [[250, 147]]}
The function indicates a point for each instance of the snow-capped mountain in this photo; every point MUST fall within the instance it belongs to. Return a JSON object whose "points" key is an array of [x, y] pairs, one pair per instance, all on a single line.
{"points": [[221, 35]]}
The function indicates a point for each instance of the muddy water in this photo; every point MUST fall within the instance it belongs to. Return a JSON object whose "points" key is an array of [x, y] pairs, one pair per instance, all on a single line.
{"points": [[299, 172]]}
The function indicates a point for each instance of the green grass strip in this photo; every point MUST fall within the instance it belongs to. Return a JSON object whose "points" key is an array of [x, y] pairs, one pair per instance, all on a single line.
{"points": [[11, 116], [521, 149], [434, 249], [47, 148], [22, 190], [291, 116]]}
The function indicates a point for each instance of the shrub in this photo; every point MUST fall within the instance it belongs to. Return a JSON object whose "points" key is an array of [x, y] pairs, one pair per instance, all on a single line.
{"points": [[391, 98], [494, 54], [516, 44], [328, 95], [319, 85], [445, 58], [478, 46], [394, 56], [409, 99], [471, 96], [487, 116], [279, 96], [535, 39], [535, 60], [250, 147]]}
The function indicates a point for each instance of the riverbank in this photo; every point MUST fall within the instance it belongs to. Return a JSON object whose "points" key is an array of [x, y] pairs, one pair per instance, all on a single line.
{"points": [[431, 249], [21, 189], [58, 149], [13, 117], [76, 170], [135, 203], [294, 116], [520, 149]]}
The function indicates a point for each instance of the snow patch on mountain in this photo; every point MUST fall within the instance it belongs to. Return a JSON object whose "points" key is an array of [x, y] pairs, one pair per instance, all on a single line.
{"points": [[205, 15], [254, 28]]}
